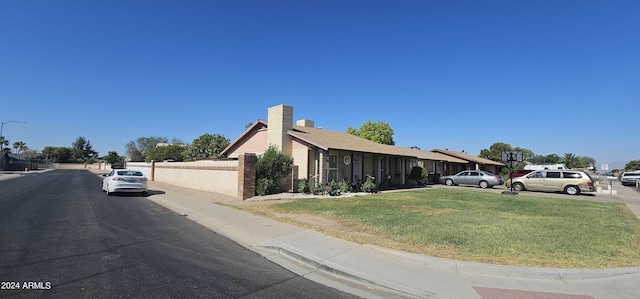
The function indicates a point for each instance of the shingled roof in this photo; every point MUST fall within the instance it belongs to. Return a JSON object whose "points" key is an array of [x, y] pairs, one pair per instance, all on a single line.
{"points": [[465, 156], [344, 141], [326, 140]]}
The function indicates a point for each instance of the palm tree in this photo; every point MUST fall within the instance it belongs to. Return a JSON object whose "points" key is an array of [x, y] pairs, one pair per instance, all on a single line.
{"points": [[3, 142], [570, 160], [18, 146]]}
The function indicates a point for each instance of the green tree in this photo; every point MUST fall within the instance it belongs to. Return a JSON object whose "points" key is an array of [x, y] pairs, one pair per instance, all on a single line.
{"points": [[570, 160], [82, 150], [527, 154], [4, 142], [207, 146], [60, 154], [495, 151], [548, 159], [380, 132], [114, 159], [270, 168], [587, 162], [137, 150], [632, 165], [173, 152], [19, 146]]}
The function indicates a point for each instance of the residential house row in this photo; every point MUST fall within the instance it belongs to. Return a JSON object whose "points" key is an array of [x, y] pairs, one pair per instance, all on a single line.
{"points": [[328, 156]]}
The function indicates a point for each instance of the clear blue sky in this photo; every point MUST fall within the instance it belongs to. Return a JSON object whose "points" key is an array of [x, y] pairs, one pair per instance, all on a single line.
{"points": [[552, 76]]}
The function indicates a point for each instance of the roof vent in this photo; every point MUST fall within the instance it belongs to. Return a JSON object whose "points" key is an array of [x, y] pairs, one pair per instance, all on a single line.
{"points": [[305, 123]]}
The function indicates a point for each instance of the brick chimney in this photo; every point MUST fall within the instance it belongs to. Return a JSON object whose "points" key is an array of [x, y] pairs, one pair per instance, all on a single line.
{"points": [[279, 121]]}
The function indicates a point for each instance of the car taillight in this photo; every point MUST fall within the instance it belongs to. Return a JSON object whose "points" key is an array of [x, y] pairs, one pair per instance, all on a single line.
{"points": [[117, 179], [589, 183], [143, 179]]}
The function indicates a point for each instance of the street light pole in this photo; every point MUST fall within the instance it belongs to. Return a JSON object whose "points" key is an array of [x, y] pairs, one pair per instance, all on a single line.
{"points": [[2, 127]]}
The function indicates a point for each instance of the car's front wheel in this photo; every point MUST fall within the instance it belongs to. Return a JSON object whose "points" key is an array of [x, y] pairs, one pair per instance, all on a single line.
{"points": [[572, 190], [449, 182]]}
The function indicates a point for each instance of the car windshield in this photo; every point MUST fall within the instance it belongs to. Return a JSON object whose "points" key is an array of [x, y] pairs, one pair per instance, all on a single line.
{"points": [[631, 174], [130, 173]]}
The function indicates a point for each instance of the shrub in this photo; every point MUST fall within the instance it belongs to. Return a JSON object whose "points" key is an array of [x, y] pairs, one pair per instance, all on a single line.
{"points": [[419, 175], [368, 186], [272, 165], [345, 186], [266, 186], [317, 189], [333, 189], [303, 186]]}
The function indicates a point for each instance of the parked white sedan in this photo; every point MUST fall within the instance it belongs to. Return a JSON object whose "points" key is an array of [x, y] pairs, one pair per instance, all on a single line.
{"points": [[124, 180]]}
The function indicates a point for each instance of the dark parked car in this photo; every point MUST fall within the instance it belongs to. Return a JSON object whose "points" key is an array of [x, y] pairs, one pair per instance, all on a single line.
{"points": [[484, 179]]}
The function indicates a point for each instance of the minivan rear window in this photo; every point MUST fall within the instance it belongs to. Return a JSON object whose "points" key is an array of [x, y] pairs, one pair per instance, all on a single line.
{"points": [[573, 175]]}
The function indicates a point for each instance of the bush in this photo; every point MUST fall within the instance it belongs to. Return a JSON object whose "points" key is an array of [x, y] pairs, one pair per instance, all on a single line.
{"points": [[419, 175], [303, 186], [333, 189], [266, 186], [369, 186], [270, 168], [316, 189], [345, 186]]}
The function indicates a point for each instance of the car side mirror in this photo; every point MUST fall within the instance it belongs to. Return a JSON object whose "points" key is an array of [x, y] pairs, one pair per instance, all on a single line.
{"points": [[104, 175]]}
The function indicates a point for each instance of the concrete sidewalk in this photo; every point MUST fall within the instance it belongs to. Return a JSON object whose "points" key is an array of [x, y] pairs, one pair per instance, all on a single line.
{"points": [[316, 256]]}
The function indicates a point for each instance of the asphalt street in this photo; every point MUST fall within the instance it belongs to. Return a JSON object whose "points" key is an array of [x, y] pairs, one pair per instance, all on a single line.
{"points": [[61, 237]]}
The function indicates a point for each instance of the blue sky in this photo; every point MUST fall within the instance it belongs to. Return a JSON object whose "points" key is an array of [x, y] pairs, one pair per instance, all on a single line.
{"points": [[552, 76]]}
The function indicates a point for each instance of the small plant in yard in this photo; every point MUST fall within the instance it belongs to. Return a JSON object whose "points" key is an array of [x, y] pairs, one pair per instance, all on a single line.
{"points": [[345, 186], [333, 189], [265, 186], [316, 188], [303, 186], [369, 186]]}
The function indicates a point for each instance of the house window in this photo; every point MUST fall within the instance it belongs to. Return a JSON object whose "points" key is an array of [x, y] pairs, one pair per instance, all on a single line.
{"points": [[333, 168]]}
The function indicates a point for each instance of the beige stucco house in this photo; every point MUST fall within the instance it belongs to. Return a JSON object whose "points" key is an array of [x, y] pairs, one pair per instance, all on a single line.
{"points": [[328, 156]]}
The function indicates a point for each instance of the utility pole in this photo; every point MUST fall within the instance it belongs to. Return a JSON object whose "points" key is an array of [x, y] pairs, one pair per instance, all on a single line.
{"points": [[2, 127]]}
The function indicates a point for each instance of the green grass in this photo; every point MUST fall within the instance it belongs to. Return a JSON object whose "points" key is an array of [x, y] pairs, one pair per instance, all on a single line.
{"points": [[487, 227]]}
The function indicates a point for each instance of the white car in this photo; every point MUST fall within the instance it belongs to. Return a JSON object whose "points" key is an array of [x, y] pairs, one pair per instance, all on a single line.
{"points": [[124, 180], [630, 178]]}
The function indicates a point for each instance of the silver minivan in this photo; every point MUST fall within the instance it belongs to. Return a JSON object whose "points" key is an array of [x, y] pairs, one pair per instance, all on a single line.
{"points": [[569, 181]]}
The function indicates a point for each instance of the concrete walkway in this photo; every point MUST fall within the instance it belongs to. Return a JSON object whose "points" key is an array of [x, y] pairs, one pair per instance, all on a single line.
{"points": [[315, 255]]}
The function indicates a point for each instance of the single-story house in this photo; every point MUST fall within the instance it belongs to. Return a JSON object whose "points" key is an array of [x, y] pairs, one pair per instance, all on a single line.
{"points": [[473, 162], [326, 156], [9, 161]]}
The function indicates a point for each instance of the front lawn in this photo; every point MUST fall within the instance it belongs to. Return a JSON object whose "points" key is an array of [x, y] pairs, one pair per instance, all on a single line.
{"points": [[480, 226]]}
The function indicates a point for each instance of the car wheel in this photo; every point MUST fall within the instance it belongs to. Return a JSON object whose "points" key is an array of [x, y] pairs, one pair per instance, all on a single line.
{"points": [[484, 184], [448, 182], [144, 193], [572, 190], [518, 186]]}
